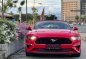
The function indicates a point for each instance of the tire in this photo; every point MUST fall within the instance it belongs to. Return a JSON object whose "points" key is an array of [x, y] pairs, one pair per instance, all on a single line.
{"points": [[76, 55], [28, 54]]}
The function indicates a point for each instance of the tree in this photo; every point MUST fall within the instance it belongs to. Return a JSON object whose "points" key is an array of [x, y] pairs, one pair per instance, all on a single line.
{"points": [[77, 18], [8, 4], [83, 18], [22, 3], [30, 17], [35, 14], [20, 10], [51, 17]]}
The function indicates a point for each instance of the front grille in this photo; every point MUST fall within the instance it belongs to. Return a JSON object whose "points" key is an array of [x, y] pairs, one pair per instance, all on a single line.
{"points": [[53, 41]]}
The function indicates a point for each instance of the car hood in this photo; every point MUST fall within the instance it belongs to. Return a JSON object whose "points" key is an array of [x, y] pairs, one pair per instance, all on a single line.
{"points": [[53, 33]]}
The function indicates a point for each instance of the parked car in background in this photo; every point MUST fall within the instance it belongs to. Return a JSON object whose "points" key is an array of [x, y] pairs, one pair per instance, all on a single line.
{"points": [[53, 37]]}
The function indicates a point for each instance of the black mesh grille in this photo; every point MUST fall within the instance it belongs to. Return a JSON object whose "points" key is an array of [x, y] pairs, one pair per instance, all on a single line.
{"points": [[53, 41]]}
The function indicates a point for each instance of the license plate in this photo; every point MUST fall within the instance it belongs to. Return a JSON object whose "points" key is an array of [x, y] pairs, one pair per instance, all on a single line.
{"points": [[53, 46]]}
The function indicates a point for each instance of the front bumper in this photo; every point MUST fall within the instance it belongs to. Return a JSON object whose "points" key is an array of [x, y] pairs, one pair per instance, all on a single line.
{"points": [[44, 49]]}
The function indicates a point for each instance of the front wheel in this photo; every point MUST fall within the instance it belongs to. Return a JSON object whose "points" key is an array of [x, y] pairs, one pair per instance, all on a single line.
{"points": [[28, 54]]}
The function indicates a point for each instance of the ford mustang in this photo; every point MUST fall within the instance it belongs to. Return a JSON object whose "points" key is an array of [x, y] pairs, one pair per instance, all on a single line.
{"points": [[53, 37]]}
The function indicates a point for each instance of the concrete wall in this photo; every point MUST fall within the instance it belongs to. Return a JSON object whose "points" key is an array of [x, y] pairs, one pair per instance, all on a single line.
{"points": [[2, 55]]}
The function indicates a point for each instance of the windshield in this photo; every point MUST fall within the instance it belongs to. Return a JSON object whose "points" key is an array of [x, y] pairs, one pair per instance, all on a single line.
{"points": [[51, 25]]}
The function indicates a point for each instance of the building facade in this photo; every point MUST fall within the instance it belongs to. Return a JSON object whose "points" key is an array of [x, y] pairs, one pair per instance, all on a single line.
{"points": [[70, 9], [83, 7]]}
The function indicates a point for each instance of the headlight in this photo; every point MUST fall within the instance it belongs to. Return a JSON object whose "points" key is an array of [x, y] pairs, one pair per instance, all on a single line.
{"points": [[76, 38], [31, 37]]}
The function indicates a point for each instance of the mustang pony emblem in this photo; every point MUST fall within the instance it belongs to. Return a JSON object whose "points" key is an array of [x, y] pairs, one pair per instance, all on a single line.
{"points": [[53, 40]]}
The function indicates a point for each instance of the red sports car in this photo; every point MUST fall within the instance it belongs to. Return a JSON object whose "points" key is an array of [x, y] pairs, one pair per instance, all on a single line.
{"points": [[53, 37]]}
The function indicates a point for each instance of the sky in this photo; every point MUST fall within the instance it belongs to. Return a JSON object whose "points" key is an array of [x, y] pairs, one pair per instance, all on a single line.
{"points": [[51, 6]]}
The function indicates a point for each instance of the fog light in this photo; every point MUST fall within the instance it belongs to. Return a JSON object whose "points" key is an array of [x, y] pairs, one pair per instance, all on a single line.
{"points": [[77, 45], [29, 45]]}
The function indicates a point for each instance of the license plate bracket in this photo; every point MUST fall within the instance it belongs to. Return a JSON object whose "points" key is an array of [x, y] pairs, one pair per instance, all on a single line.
{"points": [[53, 46]]}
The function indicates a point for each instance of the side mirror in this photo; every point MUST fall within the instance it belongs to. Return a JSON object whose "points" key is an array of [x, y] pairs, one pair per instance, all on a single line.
{"points": [[75, 28], [29, 28]]}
